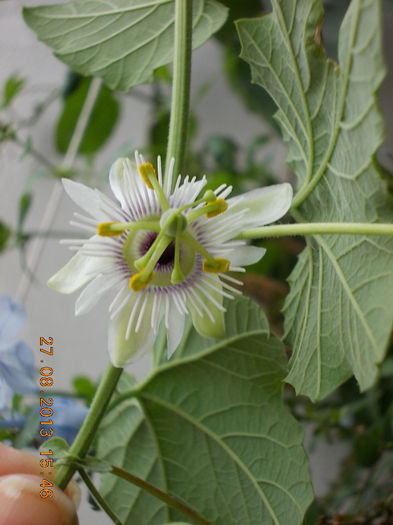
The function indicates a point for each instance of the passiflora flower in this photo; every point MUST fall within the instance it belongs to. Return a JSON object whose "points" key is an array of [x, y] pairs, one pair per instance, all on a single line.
{"points": [[163, 252]]}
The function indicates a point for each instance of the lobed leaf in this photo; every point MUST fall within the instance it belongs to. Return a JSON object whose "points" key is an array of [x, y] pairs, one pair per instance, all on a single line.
{"points": [[339, 312], [211, 429], [122, 41]]}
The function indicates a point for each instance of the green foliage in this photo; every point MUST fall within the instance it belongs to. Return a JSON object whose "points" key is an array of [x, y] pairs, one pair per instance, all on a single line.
{"points": [[5, 233], [58, 446], [211, 429], [84, 387], [338, 313], [12, 86], [24, 207], [101, 124], [121, 41]]}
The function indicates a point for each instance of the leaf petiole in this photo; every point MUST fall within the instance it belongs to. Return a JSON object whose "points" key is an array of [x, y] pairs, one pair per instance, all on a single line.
{"points": [[318, 228]]}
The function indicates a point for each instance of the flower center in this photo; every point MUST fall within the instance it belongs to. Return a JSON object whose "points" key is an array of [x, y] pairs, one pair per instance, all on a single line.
{"points": [[167, 258]]}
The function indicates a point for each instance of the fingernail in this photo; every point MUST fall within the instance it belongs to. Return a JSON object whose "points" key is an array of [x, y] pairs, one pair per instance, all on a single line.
{"points": [[22, 504]]}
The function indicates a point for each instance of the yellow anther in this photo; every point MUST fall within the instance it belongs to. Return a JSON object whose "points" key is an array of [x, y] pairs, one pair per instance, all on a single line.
{"points": [[215, 208], [104, 229], [139, 282], [220, 265], [147, 170]]}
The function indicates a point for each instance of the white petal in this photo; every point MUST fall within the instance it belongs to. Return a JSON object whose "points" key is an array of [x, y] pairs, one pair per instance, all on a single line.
{"points": [[118, 182], [93, 293], [245, 255], [79, 270], [265, 205], [88, 199], [213, 325], [121, 350], [175, 329]]}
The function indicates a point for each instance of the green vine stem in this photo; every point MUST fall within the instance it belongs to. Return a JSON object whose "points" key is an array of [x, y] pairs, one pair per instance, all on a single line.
{"points": [[163, 496], [318, 228], [178, 124], [83, 440], [97, 496]]}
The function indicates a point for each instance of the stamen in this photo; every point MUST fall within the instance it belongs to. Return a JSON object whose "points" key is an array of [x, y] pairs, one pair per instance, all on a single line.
{"points": [[149, 177], [211, 209], [148, 172], [105, 229], [189, 239], [140, 280], [215, 208], [220, 265]]}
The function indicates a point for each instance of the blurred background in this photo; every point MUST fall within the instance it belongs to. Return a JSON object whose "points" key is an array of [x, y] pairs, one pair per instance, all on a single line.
{"points": [[233, 138]]}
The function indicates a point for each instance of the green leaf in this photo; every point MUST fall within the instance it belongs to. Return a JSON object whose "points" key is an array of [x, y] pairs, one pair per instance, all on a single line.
{"points": [[211, 429], [12, 86], [122, 41], [24, 207], [340, 308], [5, 233], [101, 124], [58, 446], [84, 387]]}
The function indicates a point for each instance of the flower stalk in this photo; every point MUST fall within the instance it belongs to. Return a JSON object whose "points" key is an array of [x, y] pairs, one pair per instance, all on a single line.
{"points": [[84, 439], [318, 228], [178, 124]]}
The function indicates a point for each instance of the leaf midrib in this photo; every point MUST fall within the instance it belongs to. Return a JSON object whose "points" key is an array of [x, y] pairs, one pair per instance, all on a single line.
{"points": [[307, 188], [100, 13]]}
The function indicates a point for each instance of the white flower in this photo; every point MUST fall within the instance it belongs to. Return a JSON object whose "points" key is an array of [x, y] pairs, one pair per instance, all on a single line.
{"points": [[163, 253]]}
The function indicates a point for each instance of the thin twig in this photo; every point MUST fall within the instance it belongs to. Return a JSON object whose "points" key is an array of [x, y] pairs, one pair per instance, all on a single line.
{"points": [[57, 191]]}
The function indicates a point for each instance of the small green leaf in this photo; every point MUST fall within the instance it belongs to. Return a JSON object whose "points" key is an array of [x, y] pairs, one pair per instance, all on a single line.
{"points": [[13, 85], [24, 207], [213, 432], [84, 387], [5, 233], [101, 124], [339, 313], [58, 446], [122, 42]]}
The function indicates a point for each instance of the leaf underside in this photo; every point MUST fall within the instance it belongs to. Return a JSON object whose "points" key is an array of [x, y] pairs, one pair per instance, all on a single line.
{"points": [[213, 433], [121, 41], [339, 312]]}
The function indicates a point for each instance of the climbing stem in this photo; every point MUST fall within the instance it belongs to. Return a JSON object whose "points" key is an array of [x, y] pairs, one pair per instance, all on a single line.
{"points": [[178, 124], [86, 434], [97, 496], [318, 228], [156, 492]]}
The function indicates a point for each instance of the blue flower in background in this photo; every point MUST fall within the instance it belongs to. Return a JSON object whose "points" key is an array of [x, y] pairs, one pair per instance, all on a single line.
{"points": [[68, 416], [16, 358]]}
